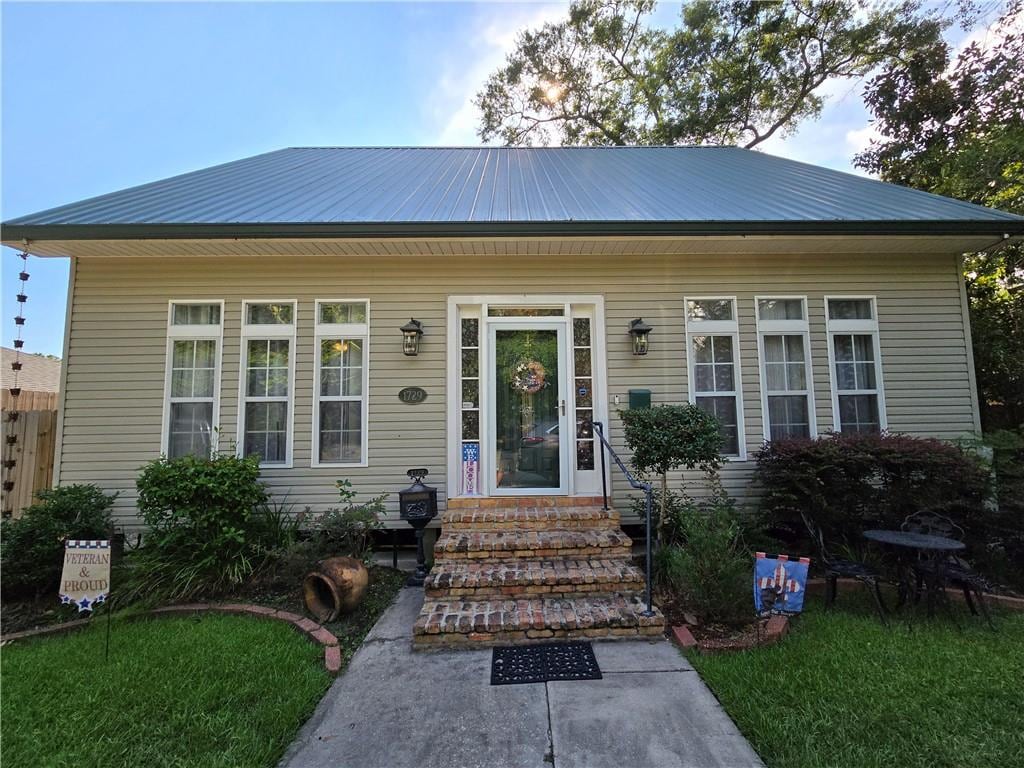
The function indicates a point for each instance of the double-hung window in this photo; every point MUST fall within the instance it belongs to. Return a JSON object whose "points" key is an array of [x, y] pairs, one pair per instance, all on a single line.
{"points": [[341, 381], [858, 401], [786, 384], [194, 333], [267, 374], [712, 347]]}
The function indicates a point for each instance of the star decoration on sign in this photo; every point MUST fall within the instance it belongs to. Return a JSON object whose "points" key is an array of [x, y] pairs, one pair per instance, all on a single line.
{"points": [[64, 599], [84, 604]]}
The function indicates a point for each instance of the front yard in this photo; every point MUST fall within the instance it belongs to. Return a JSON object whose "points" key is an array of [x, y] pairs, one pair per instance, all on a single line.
{"points": [[842, 690]]}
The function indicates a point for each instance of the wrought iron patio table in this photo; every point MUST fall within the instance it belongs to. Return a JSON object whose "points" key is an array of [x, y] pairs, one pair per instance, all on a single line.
{"points": [[925, 546]]}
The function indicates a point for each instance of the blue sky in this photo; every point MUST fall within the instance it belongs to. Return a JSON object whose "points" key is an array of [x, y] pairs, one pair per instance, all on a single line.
{"points": [[101, 96]]}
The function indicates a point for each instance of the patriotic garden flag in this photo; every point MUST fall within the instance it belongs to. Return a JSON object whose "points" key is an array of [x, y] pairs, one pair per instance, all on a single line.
{"points": [[779, 584], [85, 579]]}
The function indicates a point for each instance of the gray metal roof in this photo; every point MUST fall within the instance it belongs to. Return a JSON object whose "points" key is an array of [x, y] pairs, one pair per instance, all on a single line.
{"points": [[378, 191]]}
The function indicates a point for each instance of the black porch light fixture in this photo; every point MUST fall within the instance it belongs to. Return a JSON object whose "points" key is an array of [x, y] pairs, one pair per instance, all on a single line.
{"points": [[640, 330], [412, 332]]}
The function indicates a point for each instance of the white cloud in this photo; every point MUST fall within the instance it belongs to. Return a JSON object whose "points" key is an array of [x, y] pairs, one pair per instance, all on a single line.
{"points": [[494, 37]]}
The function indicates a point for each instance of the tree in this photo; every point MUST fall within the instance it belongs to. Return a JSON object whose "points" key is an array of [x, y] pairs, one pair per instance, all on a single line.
{"points": [[731, 73], [956, 128]]}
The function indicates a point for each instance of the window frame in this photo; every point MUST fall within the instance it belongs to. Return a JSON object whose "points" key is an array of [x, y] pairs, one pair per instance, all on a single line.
{"points": [[835, 328], [731, 328], [341, 330], [191, 333], [784, 328], [248, 332]]}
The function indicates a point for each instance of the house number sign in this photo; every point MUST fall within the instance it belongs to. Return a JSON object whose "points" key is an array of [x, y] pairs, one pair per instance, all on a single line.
{"points": [[412, 395]]}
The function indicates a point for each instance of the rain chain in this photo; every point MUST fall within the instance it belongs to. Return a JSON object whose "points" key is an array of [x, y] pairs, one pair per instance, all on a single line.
{"points": [[11, 440]]}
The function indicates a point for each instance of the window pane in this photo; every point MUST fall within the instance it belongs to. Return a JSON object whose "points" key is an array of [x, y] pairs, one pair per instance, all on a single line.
{"points": [[845, 376], [181, 383], [196, 314], [256, 383], [190, 429], [202, 383], [780, 309], [773, 349], [525, 311], [268, 314], [335, 313], [865, 375], [266, 426], [470, 362], [584, 423], [722, 349], [585, 454], [858, 413], [849, 309], [709, 309], [863, 347], [724, 409], [787, 416], [724, 378], [775, 375], [702, 349], [470, 332], [277, 354], [581, 332], [704, 378], [794, 348], [330, 353], [584, 393], [330, 382], [257, 353], [796, 376], [341, 432], [581, 359], [470, 393], [844, 348], [277, 382], [470, 425]]}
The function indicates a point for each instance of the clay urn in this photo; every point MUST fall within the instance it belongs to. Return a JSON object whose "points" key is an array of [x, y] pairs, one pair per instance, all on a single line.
{"points": [[336, 587]]}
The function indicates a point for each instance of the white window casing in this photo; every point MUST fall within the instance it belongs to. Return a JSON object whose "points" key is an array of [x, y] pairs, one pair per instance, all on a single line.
{"points": [[713, 365], [341, 377], [784, 353], [191, 411], [855, 364], [266, 381]]}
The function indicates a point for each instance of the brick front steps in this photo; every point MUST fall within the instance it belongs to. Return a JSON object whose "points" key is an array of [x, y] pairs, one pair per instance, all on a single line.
{"points": [[501, 622], [521, 570], [529, 578]]}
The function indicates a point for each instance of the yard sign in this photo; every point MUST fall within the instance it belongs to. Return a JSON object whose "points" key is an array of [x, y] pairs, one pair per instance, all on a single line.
{"points": [[85, 580], [779, 584]]}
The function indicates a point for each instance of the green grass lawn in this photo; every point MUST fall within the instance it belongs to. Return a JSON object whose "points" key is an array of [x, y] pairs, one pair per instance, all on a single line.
{"points": [[211, 690], [841, 690]]}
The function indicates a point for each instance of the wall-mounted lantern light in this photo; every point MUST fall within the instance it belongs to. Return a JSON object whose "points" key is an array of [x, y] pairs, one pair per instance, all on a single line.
{"points": [[412, 332], [640, 330]]}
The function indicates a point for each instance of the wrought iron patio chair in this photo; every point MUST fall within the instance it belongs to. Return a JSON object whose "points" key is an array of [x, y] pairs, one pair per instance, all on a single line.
{"points": [[836, 568], [956, 571]]}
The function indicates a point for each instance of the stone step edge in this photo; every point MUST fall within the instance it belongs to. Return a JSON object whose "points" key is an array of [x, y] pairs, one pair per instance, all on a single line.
{"points": [[530, 518], [557, 591], [557, 573], [508, 502], [516, 540], [458, 641]]}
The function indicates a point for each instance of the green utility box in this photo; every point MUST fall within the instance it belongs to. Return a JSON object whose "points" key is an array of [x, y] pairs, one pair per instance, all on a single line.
{"points": [[639, 398]]}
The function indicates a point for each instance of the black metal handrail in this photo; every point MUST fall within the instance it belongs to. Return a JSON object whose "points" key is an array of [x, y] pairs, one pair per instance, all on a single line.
{"points": [[636, 485]]}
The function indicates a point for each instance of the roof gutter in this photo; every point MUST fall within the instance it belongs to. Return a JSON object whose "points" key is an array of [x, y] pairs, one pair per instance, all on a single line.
{"points": [[383, 230]]}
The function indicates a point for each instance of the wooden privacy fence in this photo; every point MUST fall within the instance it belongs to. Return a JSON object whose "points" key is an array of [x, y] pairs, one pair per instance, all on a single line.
{"points": [[36, 433], [30, 400]]}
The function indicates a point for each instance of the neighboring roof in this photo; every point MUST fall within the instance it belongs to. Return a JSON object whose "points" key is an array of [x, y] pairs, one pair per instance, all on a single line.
{"points": [[488, 191], [37, 374]]}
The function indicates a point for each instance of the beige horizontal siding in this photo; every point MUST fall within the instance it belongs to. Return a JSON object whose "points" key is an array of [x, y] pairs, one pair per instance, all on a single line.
{"points": [[115, 374]]}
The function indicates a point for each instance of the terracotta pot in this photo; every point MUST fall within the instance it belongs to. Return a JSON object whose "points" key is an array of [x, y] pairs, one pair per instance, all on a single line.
{"points": [[336, 587]]}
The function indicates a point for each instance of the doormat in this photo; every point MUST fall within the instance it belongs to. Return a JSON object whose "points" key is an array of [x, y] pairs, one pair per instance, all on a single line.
{"points": [[541, 663]]}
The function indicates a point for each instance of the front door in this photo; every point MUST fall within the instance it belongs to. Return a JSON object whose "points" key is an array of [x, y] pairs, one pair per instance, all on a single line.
{"points": [[528, 436]]}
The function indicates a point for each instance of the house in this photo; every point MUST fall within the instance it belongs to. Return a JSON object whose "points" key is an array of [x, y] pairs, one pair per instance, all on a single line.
{"points": [[257, 306]]}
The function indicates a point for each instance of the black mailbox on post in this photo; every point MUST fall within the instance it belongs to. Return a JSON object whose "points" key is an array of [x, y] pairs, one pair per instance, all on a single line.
{"points": [[417, 505]]}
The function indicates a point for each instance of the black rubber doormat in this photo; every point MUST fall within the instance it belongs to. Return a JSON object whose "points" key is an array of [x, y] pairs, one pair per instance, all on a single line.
{"points": [[541, 663]]}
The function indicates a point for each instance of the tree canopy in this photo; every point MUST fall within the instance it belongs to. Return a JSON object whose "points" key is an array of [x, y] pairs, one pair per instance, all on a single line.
{"points": [[954, 125], [730, 73]]}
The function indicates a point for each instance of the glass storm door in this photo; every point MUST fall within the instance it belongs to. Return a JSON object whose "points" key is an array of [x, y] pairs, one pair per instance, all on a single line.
{"points": [[528, 413]]}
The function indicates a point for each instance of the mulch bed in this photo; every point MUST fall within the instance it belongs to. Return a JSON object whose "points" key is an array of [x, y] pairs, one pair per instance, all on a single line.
{"points": [[715, 638]]}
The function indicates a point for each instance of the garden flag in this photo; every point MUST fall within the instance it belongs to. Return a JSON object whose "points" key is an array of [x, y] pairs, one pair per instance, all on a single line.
{"points": [[85, 580], [470, 468], [779, 584]]}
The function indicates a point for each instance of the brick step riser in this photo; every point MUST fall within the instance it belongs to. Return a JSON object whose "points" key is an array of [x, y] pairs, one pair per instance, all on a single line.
{"points": [[525, 637], [560, 591], [511, 555], [539, 525]]}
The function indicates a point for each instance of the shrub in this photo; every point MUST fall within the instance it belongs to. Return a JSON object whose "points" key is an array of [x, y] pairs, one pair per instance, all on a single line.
{"points": [[669, 437], [710, 569], [348, 530], [204, 525], [851, 482], [31, 547]]}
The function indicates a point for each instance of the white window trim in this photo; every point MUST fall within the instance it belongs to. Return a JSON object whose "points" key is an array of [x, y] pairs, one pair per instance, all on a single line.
{"points": [[274, 331], [841, 327], [198, 333], [784, 328], [341, 330], [698, 327]]}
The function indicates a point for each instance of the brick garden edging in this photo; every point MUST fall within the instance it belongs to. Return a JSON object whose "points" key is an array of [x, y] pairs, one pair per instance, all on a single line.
{"points": [[312, 630], [777, 628]]}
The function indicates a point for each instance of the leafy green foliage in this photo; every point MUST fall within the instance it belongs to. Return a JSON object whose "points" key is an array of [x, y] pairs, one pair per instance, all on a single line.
{"points": [[708, 567], [669, 437], [956, 128], [348, 530], [729, 73], [850, 482], [204, 518], [31, 547]]}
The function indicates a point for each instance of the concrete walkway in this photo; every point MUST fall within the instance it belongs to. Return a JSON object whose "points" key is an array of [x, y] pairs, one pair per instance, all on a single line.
{"points": [[396, 708]]}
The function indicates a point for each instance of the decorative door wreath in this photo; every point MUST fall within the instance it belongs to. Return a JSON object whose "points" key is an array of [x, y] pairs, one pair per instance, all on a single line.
{"points": [[529, 377]]}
